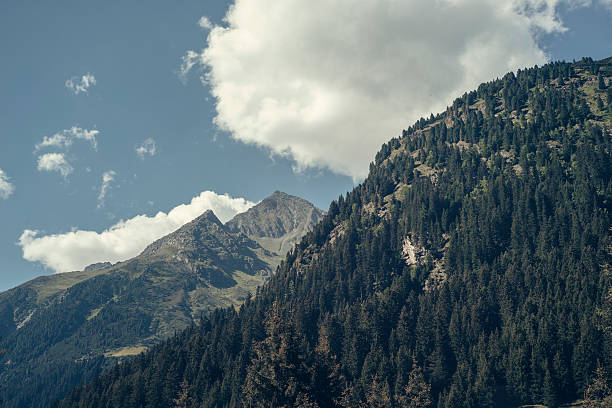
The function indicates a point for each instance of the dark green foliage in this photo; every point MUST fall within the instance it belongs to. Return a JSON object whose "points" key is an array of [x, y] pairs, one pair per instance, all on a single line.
{"points": [[507, 199]]}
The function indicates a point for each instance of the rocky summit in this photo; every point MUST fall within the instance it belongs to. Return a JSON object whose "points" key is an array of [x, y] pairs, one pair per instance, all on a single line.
{"points": [[278, 222]]}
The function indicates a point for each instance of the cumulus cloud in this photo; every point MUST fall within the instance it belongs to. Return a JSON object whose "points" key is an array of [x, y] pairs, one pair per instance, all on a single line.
{"points": [[148, 147], [327, 82], [76, 249], [66, 137], [6, 187], [80, 85], [54, 162], [107, 178]]}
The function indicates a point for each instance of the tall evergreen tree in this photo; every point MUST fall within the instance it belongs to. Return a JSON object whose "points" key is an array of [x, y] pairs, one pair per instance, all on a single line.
{"points": [[416, 393]]}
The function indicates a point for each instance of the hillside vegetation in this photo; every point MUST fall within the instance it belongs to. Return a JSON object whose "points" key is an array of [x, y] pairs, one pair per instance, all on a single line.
{"points": [[470, 269]]}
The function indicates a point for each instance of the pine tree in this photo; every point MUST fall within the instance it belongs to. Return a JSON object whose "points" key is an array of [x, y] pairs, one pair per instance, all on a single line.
{"points": [[598, 394], [377, 394], [549, 393], [604, 313], [416, 393], [182, 400], [277, 374], [326, 379]]}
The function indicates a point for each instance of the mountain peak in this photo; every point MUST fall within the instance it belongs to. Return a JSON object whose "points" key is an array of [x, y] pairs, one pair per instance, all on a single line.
{"points": [[277, 221], [207, 216], [189, 236]]}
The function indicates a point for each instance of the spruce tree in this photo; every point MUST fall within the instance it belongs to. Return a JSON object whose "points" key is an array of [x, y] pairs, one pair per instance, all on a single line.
{"points": [[598, 394], [416, 393]]}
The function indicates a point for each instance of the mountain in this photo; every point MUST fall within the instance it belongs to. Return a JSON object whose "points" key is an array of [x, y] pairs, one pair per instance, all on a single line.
{"points": [[277, 223], [470, 269], [60, 329]]}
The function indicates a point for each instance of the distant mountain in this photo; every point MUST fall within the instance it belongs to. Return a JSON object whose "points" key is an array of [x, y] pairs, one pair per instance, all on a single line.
{"points": [[470, 269], [71, 324], [278, 222]]}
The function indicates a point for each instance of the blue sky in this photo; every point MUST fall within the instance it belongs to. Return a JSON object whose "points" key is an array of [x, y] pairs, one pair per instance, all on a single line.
{"points": [[136, 50]]}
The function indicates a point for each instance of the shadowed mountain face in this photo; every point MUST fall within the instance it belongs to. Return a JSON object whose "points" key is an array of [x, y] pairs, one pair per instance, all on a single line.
{"points": [[74, 323]]}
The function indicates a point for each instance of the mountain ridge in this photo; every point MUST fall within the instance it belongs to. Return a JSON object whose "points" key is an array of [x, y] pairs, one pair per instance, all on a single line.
{"points": [[469, 269]]}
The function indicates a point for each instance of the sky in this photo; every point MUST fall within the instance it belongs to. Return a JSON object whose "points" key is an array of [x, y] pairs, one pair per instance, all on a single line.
{"points": [[122, 120]]}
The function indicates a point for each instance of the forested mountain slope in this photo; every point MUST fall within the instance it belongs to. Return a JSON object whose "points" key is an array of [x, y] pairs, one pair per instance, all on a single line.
{"points": [[470, 269], [58, 330]]}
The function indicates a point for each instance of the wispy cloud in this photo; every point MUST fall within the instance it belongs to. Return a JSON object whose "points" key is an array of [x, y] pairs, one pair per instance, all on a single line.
{"points": [[80, 84], [188, 61], [54, 162], [6, 187], [66, 137], [148, 147], [84, 134], [205, 23], [76, 249], [58, 140], [107, 178], [192, 58]]}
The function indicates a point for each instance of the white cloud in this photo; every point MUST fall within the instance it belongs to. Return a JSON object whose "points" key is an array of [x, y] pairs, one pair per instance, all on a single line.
{"points": [[54, 162], [107, 178], [84, 134], [66, 137], [190, 59], [76, 249], [80, 85], [58, 140], [6, 187], [327, 82], [148, 147], [205, 23]]}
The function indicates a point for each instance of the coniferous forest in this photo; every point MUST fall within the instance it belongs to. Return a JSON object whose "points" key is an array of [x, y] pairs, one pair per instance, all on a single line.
{"points": [[470, 269]]}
